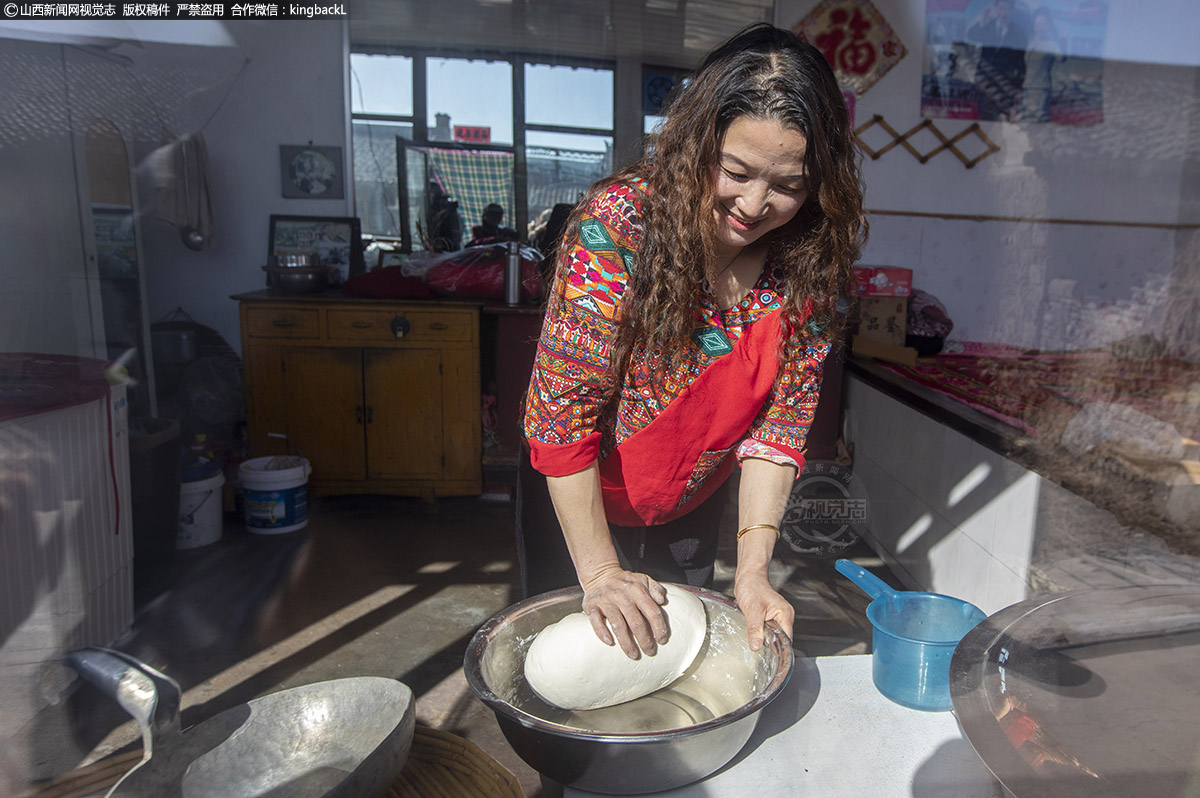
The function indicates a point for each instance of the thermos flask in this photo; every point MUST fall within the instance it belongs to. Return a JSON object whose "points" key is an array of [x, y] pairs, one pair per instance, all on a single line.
{"points": [[512, 274]]}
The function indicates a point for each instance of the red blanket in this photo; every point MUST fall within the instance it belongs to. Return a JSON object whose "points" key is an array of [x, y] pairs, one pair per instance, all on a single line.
{"points": [[1033, 390]]}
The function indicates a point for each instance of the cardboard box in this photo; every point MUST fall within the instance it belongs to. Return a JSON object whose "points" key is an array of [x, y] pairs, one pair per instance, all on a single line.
{"points": [[883, 319], [875, 281], [865, 347]]}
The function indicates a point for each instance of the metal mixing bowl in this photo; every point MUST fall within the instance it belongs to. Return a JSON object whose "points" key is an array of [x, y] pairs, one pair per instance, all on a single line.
{"points": [[673, 737], [298, 279]]}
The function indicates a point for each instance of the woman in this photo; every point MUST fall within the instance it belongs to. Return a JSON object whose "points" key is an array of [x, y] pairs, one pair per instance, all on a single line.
{"points": [[692, 307]]}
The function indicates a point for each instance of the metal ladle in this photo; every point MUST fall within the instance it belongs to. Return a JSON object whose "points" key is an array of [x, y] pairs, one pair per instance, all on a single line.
{"points": [[191, 236]]}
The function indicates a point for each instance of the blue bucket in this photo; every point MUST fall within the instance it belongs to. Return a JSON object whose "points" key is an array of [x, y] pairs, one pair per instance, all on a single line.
{"points": [[913, 639]]}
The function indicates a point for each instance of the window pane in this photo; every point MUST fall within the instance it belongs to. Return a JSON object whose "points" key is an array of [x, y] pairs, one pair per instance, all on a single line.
{"points": [[570, 96], [381, 84], [475, 94], [416, 173], [560, 167], [376, 192], [473, 179]]}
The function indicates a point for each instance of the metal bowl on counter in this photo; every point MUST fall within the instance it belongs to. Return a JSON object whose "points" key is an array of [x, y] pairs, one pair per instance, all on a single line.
{"points": [[298, 279], [293, 260], [670, 738], [1086, 694]]}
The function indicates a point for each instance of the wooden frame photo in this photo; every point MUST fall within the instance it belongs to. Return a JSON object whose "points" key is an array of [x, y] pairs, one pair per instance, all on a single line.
{"points": [[390, 257], [336, 241]]}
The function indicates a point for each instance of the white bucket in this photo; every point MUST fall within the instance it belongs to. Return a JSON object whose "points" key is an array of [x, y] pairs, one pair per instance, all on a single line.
{"points": [[200, 516], [275, 498]]}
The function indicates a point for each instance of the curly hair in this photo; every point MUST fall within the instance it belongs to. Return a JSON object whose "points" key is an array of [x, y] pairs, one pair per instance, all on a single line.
{"points": [[767, 73]]}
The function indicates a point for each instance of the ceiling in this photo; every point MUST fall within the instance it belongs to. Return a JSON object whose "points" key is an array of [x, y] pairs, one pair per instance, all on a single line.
{"points": [[669, 33]]}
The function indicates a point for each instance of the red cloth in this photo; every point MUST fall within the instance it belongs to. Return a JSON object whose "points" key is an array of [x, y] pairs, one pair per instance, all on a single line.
{"points": [[35, 383], [1028, 390], [471, 273], [479, 274], [390, 282]]}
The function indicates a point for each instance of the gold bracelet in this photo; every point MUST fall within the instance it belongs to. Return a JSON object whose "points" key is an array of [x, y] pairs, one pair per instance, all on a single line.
{"points": [[746, 529]]}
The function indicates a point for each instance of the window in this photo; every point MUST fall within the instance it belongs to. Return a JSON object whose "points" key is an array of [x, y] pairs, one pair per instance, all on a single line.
{"points": [[381, 104], [438, 138], [569, 142]]}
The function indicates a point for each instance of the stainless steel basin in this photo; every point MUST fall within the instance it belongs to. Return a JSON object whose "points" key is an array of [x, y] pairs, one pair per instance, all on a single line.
{"points": [[673, 737]]}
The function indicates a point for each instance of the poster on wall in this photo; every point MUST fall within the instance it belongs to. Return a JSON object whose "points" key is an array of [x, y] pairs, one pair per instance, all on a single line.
{"points": [[1014, 60], [856, 40]]}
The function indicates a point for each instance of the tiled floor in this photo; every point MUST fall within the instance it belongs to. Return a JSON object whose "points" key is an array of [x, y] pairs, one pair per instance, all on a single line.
{"points": [[386, 587]]}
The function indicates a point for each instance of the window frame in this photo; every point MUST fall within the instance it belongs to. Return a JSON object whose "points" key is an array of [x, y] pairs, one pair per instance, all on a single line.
{"points": [[419, 119]]}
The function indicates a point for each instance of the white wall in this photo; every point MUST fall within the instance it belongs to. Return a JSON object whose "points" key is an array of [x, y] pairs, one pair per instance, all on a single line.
{"points": [[291, 91], [1005, 280], [43, 302], [974, 524]]}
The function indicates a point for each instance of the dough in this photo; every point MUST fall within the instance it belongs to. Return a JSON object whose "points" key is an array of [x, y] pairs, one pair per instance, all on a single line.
{"points": [[569, 667]]}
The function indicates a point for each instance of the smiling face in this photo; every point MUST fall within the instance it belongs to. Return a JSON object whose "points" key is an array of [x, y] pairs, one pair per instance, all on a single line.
{"points": [[758, 181]]}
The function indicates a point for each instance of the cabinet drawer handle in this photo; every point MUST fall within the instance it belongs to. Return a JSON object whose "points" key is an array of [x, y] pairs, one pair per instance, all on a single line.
{"points": [[358, 413], [284, 322], [362, 325], [439, 326]]}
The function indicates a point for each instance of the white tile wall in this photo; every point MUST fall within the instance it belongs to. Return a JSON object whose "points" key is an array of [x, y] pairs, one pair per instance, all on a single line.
{"points": [[1015, 524], [913, 467], [974, 571], [945, 562], [980, 526], [952, 516], [1004, 588], [955, 465]]}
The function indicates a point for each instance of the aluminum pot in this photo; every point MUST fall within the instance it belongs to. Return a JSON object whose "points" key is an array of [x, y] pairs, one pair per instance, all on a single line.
{"points": [[667, 739]]}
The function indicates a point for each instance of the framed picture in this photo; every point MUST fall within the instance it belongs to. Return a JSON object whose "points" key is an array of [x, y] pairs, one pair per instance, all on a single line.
{"points": [[390, 258], [336, 241], [308, 172], [116, 242]]}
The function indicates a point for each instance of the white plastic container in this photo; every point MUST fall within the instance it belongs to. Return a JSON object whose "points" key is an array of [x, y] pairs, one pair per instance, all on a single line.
{"points": [[275, 494], [200, 515]]}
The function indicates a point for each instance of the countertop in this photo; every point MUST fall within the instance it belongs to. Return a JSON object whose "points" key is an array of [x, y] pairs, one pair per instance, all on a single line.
{"points": [[831, 734], [490, 306]]}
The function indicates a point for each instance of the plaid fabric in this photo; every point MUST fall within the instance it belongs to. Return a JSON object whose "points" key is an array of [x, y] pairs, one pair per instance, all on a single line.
{"points": [[475, 178]]}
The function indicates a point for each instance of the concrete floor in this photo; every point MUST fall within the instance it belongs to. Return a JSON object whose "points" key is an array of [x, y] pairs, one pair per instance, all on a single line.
{"points": [[383, 586]]}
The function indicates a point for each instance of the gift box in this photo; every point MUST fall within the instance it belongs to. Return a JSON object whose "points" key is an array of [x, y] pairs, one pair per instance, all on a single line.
{"points": [[878, 281]]}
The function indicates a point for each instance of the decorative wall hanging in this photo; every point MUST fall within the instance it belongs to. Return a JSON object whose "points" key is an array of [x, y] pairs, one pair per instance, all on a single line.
{"points": [[308, 172], [902, 139], [857, 41], [994, 60]]}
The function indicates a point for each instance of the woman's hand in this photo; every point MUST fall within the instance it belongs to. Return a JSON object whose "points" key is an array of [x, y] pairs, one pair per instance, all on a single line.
{"points": [[628, 604], [760, 603]]}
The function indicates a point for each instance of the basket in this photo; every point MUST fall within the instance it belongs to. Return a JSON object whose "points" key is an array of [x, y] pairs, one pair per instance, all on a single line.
{"points": [[442, 765], [439, 765]]}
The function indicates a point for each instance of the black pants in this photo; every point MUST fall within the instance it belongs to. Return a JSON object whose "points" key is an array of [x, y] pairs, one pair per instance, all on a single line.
{"points": [[682, 551]]}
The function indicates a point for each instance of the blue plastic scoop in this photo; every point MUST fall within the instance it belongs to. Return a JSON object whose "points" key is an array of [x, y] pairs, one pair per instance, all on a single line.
{"points": [[913, 638]]}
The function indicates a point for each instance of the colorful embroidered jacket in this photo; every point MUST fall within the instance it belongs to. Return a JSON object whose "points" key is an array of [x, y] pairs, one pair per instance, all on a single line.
{"points": [[668, 444]]}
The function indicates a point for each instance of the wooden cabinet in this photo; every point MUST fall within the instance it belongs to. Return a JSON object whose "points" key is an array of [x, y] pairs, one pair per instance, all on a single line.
{"points": [[381, 397]]}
